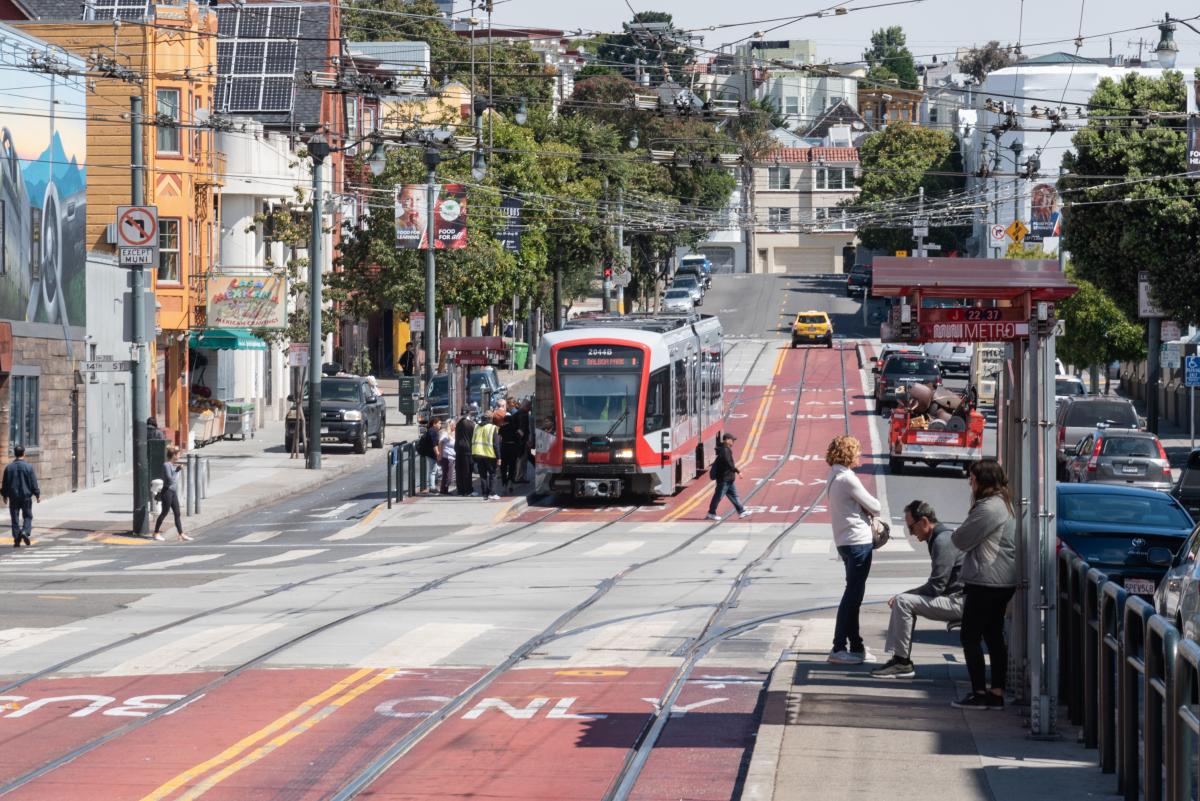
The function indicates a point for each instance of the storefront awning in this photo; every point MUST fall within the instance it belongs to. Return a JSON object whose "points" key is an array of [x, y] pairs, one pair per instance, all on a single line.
{"points": [[226, 339]]}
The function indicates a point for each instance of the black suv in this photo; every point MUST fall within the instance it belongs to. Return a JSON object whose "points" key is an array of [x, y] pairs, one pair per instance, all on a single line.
{"points": [[858, 282], [437, 400], [1187, 489], [899, 371], [352, 412]]}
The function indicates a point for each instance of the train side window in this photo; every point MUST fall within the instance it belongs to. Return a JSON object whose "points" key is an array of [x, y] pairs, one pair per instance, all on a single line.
{"points": [[543, 401], [658, 408], [681, 389]]}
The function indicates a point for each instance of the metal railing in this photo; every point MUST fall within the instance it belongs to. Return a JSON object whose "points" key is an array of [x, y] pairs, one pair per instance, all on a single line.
{"points": [[1133, 683], [407, 471]]}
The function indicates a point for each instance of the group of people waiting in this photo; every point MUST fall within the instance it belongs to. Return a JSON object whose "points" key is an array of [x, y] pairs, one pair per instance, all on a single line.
{"points": [[973, 577], [497, 445]]}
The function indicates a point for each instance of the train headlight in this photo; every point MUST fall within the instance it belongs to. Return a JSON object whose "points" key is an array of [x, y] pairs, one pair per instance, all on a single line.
{"points": [[570, 454], [625, 454]]}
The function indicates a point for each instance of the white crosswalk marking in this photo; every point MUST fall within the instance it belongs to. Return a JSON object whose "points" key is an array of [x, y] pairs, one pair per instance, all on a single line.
{"points": [[287, 556], [424, 646], [395, 552], [334, 512], [13, 640], [504, 549], [81, 564], [183, 560], [257, 536], [192, 651], [619, 548], [724, 547], [812, 547], [631, 642]]}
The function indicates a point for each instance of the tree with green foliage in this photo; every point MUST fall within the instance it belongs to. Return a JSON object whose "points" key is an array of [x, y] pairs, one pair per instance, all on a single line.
{"points": [[1128, 208], [896, 162], [658, 57], [889, 58], [979, 61]]}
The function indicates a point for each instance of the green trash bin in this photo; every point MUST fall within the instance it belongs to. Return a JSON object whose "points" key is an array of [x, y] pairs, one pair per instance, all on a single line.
{"points": [[520, 352]]}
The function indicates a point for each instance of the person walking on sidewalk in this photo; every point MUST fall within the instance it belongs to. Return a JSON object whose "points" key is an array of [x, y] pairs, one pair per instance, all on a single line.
{"points": [[169, 496], [429, 447], [446, 455], [408, 360], [725, 471], [511, 437], [464, 430], [19, 489], [851, 508], [939, 598], [485, 445], [990, 576]]}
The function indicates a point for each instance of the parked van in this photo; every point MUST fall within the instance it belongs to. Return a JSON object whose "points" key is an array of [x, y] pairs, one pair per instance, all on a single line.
{"points": [[953, 357]]}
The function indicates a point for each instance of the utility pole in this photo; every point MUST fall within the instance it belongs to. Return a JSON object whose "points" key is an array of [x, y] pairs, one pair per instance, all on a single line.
{"points": [[606, 282], [433, 157], [621, 247], [921, 223], [1016, 149], [139, 380], [319, 149]]}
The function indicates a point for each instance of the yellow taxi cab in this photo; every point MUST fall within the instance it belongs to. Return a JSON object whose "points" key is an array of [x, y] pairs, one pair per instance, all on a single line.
{"points": [[813, 327]]}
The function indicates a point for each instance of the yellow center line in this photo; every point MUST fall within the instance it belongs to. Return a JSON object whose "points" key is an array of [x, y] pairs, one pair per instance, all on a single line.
{"points": [[283, 739], [241, 745]]}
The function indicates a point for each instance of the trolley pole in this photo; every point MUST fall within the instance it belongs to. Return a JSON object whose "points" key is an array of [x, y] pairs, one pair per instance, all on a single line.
{"points": [[432, 158], [139, 383], [319, 149]]}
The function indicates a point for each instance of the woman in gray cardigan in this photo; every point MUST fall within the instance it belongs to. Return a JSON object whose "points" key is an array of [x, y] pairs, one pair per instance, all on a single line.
{"points": [[989, 575]]}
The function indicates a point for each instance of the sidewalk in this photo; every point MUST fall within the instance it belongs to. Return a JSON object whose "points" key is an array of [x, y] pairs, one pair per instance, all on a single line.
{"points": [[855, 737]]}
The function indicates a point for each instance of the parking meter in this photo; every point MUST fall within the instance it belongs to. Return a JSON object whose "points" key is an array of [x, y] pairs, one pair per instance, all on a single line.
{"points": [[407, 400]]}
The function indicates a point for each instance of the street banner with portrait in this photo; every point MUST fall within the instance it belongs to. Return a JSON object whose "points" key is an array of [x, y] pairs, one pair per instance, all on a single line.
{"points": [[1045, 215], [509, 235], [449, 217]]}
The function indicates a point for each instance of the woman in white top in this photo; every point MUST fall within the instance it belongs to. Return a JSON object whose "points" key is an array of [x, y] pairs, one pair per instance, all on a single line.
{"points": [[851, 508]]}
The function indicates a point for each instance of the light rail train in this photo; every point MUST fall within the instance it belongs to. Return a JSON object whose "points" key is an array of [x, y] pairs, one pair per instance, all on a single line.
{"points": [[627, 404]]}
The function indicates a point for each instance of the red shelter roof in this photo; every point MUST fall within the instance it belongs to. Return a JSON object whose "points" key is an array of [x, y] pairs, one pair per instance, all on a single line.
{"points": [[979, 279]]}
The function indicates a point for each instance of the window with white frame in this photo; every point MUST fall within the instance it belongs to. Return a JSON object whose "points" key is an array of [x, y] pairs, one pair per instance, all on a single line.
{"points": [[833, 178], [779, 218], [168, 249], [833, 100], [779, 178], [166, 106], [791, 105], [933, 113], [830, 218]]}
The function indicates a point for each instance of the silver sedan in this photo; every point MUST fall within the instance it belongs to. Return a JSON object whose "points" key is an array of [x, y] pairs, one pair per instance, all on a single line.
{"points": [[677, 301], [1120, 456]]}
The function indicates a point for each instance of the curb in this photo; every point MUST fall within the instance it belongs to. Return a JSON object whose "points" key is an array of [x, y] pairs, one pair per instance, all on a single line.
{"points": [[768, 740]]}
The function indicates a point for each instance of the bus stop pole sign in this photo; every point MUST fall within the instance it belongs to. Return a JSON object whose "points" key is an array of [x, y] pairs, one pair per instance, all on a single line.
{"points": [[1191, 379], [137, 236]]}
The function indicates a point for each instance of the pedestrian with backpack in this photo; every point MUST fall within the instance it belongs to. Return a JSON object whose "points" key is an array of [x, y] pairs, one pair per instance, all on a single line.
{"points": [[429, 447], [725, 471]]}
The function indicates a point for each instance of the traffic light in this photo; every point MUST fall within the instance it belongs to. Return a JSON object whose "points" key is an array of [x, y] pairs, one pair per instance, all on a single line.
{"points": [[607, 273]]}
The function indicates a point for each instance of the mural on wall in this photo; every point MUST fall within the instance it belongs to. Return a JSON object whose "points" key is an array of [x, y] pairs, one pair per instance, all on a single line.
{"points": [[43, 141]]}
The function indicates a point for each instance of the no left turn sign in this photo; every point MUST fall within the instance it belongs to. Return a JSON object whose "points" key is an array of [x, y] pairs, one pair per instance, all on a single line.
{"points": [[137, 235]]}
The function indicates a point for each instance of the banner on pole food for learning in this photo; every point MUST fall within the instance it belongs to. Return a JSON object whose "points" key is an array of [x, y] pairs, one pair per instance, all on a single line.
{"points": [[449, 217], [509, 235]]}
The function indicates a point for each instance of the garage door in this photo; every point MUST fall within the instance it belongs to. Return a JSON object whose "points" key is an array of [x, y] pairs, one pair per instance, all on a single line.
{"points": [[722, 259], [804, 260]]}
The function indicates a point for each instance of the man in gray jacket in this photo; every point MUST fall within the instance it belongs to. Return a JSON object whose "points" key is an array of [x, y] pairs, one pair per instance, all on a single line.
{"points": [[939, 598]]}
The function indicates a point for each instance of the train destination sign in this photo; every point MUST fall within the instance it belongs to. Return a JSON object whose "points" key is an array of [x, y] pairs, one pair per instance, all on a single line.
{"points": [[600, 357], [959, 314], [973, 332]]}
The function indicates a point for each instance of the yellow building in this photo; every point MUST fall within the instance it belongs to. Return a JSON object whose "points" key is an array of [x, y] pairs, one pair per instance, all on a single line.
{"points": [[171, 63]]}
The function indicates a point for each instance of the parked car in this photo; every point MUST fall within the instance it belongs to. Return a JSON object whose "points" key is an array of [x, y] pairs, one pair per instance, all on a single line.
{"points": [[1187, 488], [698, 266], [1079, 417], [900, 371], [1068, 387], [437, 399], [692, 284], [1131, 534], [893, 347], [352, 413], [1120, 456], [812, 327], [858, 282], [952, 357], [1178, 595], [677, 300]]}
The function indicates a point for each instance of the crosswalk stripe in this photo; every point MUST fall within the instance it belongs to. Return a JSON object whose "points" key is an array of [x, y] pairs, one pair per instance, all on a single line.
{"points": [[193, 651], [183, 560], [334, 512], [424, 646], [619, 548], [81, 564], [625, 643], [395, 552], [812, 547], [257, 536], [504, 549], [13, 640], [724, 547], [287, 556]]}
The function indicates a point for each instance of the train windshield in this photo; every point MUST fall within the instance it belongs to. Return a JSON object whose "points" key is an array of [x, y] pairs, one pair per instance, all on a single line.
{"points": [[599, 387]]}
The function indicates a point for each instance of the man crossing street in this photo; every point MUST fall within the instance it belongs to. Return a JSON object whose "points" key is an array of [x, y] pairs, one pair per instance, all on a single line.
{"points": [[725, 471], [19, 488]]}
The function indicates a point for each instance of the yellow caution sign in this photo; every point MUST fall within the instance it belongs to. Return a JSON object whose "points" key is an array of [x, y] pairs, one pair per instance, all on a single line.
{"points": [[1017, 231], [902, 254]]}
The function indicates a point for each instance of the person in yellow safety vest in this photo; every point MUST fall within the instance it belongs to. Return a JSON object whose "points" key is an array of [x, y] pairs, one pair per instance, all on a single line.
{"points": [[485, 445]]}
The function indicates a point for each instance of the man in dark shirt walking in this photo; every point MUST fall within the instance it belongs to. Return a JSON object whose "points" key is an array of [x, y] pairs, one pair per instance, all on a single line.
{"points": [[464, 430], [724, 471], [19, 489], [408, 360]]}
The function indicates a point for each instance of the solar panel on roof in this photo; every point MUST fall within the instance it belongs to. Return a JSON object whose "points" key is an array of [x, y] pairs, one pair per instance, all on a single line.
{"points": [[248, 58], [224, 58], [277, 94], [245, 94], [119, 9], [227, 19], [285, 23], [281, 58], [256, 60], [253, 24]]}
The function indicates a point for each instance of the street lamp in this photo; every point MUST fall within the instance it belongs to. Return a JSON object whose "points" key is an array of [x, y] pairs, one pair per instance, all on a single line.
{"points": [[433, 157], [633, 139], [478, 164], [1167, 51], [378, 159], [319, 150], [522, 113]]}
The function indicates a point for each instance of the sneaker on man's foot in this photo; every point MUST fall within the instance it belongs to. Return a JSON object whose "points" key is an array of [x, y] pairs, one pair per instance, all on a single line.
{"points": [[744, 514], [995, 702], [865, 655], [844, 658], [894, 668], [711, 516], [973, 701]]}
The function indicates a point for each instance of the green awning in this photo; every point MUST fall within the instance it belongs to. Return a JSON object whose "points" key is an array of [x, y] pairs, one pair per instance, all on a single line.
{"points": [[226, 339]]}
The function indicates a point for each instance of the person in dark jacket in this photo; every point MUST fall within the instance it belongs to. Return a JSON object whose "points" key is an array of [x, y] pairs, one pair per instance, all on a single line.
{"points": [[939, 598], [464, 430], [152, 429], [408, 360], [512, 438], [19, 489], [724, 471]]}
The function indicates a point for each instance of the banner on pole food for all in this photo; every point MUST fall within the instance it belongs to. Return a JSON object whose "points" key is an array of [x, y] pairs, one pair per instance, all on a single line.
{"points": [[509, 235], [241, 301], [449, 217]]}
